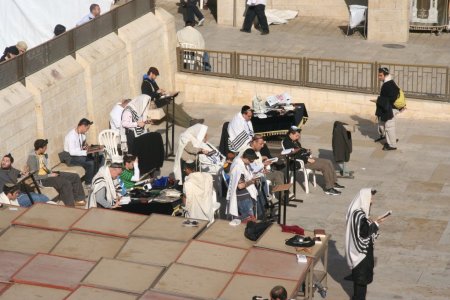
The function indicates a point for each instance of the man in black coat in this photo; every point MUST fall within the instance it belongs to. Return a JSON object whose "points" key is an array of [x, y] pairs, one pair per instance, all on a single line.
{"points": [[385, 110], [151, 88]]}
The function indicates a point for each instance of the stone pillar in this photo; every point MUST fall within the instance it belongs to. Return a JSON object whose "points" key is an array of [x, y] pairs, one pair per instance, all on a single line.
{"points": [[106, 79], [17, 123], [388, 21], [231, 12]]}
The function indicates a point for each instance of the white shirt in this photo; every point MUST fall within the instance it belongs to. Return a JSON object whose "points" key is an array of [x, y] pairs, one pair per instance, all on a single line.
{"points": [[5, 200], [73, 143], [85, 19], [190, 35], [256, 2], [115, 117]]}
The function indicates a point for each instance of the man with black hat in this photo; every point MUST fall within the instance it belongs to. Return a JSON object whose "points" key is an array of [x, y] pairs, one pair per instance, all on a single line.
{"points": [[10, 175], [292, 141], [67, 184], [75, 145], [151, 88]]}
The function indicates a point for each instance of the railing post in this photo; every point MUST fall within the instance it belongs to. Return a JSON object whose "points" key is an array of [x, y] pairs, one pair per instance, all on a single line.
{"points": [[178, 51], [447, 83], [234, 65], [375, 78]]}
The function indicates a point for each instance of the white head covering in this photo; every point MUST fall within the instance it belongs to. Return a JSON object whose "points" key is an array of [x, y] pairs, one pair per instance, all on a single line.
{"points": [[194, 134], [354, 243], [140, 105], [101, 180]]}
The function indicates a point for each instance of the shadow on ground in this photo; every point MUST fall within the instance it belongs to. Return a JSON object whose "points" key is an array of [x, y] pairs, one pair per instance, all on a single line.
{"points": [[338, 269], [366, 127]]}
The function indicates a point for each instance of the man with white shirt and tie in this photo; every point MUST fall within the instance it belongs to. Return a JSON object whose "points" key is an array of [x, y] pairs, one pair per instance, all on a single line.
{"points": [[75, 144]]}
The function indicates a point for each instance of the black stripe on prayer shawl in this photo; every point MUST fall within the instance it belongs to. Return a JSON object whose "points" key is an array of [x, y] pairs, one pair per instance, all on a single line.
{"points": [[135, 118], [238, 142], [361, 244]]}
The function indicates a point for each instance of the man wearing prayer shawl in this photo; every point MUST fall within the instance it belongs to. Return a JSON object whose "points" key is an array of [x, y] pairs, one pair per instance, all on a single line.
{"points": [[359, 238], [104, 192], [242, 191], [240, 129], [134, 118]]}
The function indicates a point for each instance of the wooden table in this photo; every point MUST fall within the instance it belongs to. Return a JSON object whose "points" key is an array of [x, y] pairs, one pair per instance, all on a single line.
{"points": [[274, 239]]}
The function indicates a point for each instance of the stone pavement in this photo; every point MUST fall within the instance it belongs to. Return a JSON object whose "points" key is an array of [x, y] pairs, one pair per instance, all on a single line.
{"points": [[318, 38], [413, 249]]}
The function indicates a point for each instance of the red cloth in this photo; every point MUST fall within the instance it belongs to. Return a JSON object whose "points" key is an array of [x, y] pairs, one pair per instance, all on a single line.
{"points": [[292, 229]]}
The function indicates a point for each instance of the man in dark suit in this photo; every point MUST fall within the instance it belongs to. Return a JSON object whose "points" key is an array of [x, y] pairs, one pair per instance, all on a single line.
{"points": [[151, 88]]}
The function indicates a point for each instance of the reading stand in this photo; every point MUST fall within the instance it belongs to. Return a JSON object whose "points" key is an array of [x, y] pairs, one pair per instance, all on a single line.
{"points": [[288, 166], [170, 125], [279, 189]]}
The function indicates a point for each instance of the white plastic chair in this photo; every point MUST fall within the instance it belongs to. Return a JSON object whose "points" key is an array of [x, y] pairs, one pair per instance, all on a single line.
{"points": [[357, 18], [306, 173], [109, 139]]}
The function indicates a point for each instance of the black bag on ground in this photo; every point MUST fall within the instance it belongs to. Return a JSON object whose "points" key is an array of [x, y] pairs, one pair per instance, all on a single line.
{"points": [[300, 241], [254, 230]]}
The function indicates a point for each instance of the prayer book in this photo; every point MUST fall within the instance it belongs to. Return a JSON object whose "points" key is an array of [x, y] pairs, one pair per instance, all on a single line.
{"points": [[319, 233], [287, 151]]}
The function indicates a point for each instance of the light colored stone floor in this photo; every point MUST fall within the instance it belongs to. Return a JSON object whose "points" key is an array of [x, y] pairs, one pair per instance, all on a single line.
{"points": [[318, 38], [413, 250]]}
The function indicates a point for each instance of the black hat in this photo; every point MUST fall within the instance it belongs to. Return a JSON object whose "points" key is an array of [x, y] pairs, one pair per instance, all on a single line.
{"points": [[40, 143], [294, 129], [153, 70], [85, 122], [59, 29], [250, 154]]}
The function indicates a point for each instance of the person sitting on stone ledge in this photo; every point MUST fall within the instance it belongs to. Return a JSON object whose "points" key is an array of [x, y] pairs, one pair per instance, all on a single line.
{"points": [[10, 175], [67, 184], [104, 191], [151, 88], [75, 145], [292, 141]]}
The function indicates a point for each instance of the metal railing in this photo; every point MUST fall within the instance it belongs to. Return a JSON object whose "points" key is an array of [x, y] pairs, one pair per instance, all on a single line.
{"points": [[417, 81], [69, 42]]}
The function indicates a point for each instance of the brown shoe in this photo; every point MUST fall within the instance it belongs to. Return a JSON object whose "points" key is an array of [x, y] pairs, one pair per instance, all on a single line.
{"points": [[80, 203]]}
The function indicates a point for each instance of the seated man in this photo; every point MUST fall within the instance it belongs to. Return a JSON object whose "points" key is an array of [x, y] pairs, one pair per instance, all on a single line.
{"points": [[242, 191], [150, 88], [200, 197], [104, 191], [278, 293], [68, 185], [75, 145], [130, 172], [9, 195], [240, 129], [292, 141], [10, 175]]}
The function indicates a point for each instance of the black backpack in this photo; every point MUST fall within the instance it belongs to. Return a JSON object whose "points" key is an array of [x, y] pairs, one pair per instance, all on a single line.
{"points": [[254, 230]]}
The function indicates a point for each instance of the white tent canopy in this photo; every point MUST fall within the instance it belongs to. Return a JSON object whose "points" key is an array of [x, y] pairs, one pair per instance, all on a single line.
{"points": [[33, 21]]}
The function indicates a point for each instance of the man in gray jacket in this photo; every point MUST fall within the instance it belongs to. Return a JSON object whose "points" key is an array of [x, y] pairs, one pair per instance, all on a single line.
{"points": [[68, 185]]}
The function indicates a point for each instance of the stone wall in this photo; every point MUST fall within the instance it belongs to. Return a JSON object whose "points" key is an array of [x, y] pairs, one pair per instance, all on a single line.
{"points": [[106, 79], [17, 123], [209, 89], [58, 96], [384, 16]]}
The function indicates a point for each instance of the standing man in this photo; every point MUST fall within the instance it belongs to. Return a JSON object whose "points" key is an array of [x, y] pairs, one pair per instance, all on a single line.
{"points": [[68, 185], [94, 13], [240, 129], [10, 175], [115, 116], [193, 11], [75, 145], [386, 111], [150, 87], [256, 8]]}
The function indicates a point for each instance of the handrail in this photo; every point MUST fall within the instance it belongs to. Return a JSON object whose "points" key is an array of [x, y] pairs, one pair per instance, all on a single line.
{"points": [[43, 55], [417, 81]]}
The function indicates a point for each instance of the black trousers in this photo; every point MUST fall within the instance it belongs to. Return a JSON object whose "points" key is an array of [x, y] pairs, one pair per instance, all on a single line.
{"points": [[359, 291], [256, 11], [68, 186], [193, 11]]}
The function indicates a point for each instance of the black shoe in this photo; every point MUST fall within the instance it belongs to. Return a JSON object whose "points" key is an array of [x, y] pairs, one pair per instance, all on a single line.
{"points": [[196, 121], [387, 148], [338, 186], [379, 139], [247, 31], [332, 192], [265, 32]]}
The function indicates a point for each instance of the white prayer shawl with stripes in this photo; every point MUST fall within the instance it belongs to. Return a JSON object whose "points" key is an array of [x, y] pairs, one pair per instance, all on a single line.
{"points": [[355, 245], [240, 133]]}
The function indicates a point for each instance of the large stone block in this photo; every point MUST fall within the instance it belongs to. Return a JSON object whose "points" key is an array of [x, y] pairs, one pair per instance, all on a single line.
{"points": [[17, 122], [60, 100], [106, 79], [388, 21]]}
